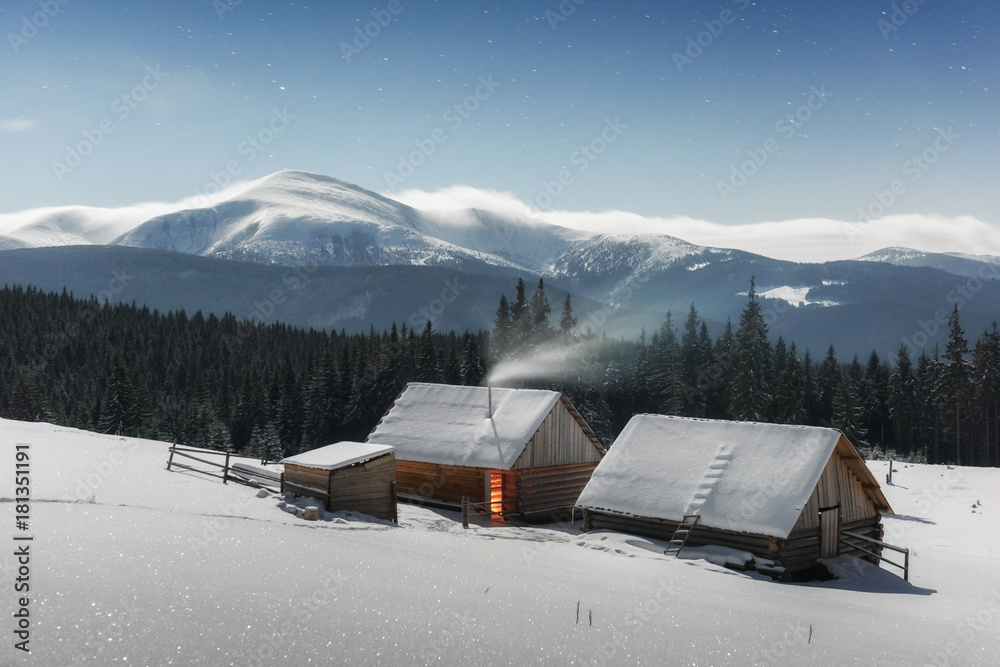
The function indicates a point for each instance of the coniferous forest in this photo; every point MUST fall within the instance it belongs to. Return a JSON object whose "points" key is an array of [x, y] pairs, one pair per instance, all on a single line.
{"points": [[270, 390]]}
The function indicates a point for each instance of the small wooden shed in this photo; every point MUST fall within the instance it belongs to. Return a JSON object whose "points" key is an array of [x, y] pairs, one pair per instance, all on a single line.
{"points": [[353, 476], [784, 493], [525, 452]]}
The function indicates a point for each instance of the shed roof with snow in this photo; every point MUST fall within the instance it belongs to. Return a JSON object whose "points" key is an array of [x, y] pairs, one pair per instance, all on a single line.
{"points": [[338, 455], [738, 476], [453, 425]]}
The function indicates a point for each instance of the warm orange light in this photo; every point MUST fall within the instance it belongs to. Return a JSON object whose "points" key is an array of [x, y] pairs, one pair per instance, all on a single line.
{"points": [[496, 493]]}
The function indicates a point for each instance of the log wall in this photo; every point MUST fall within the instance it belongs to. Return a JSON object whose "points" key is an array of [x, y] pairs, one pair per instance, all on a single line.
{"points": [[547, 489], [445, 483], [797, 553]]}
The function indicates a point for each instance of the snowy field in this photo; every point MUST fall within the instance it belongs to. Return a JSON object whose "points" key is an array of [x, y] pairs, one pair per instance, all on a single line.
{"points": [[134, 565]]}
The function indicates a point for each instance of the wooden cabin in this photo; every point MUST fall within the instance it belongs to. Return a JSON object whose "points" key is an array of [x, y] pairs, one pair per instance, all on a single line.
{"points": [[352, 476], [525, 452], [784, 493]]}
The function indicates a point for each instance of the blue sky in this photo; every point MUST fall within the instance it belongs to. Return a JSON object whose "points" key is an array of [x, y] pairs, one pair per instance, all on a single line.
{"points": [[166, 97]]}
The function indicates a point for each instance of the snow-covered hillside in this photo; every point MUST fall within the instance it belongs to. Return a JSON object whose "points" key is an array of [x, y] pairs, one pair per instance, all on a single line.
{"points": [[131, 564], [295, 217]]}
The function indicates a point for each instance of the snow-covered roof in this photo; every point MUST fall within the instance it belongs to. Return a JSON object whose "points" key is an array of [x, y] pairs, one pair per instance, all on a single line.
{"points": [[740, 476], [338, 455], [450, 425]]}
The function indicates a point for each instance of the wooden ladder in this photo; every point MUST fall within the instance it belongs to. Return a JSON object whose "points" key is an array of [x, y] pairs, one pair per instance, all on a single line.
{"points": [[681, 535]]}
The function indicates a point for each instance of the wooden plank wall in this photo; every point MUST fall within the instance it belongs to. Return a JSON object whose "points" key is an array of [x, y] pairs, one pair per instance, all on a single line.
{"points": [[446, 483], [364, 487], [560, 440], [543, 489], [307, 482], [838, 485], [855, 504]]}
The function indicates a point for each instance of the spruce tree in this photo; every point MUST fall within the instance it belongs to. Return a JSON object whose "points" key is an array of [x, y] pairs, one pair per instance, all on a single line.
{"points": [[848, 414], [567, 322], [473, 370], [751, 397], [120, 410], [956, 377], [902, 401]]}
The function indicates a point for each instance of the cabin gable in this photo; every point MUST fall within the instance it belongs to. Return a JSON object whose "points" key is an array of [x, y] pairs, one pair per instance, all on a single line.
{"points": [[563, 438]]}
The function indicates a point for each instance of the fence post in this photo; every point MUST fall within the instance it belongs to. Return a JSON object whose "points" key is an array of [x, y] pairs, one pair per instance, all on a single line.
{"points": [[465, 511], [395, 502], [225, 471], [906, 565], [171, 458]]}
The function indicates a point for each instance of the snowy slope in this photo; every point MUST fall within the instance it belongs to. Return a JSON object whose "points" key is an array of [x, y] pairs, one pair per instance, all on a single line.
{"points": [[294, 217], [981, 266], [171, 568]]}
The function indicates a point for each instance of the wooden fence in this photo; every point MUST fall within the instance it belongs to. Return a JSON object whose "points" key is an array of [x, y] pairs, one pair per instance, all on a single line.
{"points": [[228, 471], [846, 536]]}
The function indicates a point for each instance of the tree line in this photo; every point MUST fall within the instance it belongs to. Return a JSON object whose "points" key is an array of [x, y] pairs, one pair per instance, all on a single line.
{"points": [[271, 390]]}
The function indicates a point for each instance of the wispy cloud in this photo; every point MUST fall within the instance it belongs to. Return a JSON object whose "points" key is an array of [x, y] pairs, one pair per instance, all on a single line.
{"points": [[13, 125], [87, 224], [804, 240]]}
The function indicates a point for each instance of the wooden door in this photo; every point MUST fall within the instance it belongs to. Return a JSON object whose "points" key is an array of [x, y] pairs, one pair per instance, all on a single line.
{"points": [[829, 532]]}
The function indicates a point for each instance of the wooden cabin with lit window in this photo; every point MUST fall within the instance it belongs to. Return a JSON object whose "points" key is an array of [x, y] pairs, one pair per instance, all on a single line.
{"points": [[788, 494], [526, 452]]}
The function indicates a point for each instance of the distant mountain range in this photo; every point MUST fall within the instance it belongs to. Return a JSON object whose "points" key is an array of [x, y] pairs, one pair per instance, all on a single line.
{"points": [[314, 251]]}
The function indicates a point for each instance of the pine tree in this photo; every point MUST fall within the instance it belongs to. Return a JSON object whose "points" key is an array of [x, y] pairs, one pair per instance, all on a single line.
{"points": [[847, 412], [827, 382], [426, 357], [664, 379], [120, 411], [719, 379], [875, 400], [902, 401], [956, 377], [695, 359], [567, 322], [751, 397], [473, 370], [503, 330], [539, 309], [986, 378]]}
